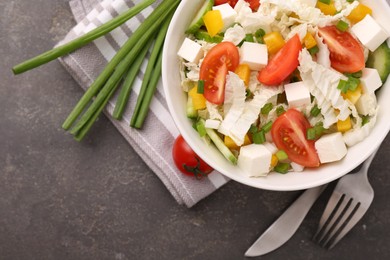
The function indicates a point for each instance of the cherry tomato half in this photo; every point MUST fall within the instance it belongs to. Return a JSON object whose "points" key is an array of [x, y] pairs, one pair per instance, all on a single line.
{"points": [[346, 53], [220, 59], [254, 4], [187, 161], [232, 3], [282, 64], [289, 134]]}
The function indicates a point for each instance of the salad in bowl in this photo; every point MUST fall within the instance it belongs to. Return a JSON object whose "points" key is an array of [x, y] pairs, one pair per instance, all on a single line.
{"points": [[276, 94]]}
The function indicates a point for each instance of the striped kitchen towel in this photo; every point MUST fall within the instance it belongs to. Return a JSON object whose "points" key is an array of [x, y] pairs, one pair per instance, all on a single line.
{"points": [[154, 141]]}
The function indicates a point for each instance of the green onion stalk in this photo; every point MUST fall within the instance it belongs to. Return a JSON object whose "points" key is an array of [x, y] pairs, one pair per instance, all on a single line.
{"points": [[134, 45], [82, 40]]}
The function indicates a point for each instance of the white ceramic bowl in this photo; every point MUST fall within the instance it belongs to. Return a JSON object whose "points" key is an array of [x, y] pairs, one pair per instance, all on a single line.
{"points": [[176, 100]]}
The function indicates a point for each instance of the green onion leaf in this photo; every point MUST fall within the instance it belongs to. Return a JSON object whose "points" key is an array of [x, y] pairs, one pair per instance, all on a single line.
{"points": [[200, 88], [82, 40], [280, 110], [200, 128], [267, 127], [311, 134], [342, 26], [325, 2], [313, 50], [343, 86], [259, 137], [282, 168], [267, 108], [315, 111], [281, 155], [253, 129]]}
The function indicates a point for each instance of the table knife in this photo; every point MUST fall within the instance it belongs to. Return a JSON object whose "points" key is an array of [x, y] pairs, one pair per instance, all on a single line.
{"points": [[286, 225]]}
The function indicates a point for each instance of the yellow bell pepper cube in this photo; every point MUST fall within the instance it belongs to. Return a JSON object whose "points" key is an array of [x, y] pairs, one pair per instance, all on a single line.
{"points": [[344, 125], [358, 13], [213, 22], [274, 161], [353, 96], [232, 145], [244, 72], [274, 42], [198, 100], [327, 9], [309, 41]]}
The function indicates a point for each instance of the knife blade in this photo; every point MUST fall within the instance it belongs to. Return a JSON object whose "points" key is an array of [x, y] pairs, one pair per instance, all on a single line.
{"points": [[286, 225]]}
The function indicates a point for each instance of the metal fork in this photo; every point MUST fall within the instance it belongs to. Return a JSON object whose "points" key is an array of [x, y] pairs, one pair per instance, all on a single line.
{"points": [[349, 201]]}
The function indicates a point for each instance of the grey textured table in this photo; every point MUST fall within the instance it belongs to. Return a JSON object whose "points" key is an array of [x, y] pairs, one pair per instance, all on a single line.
{"points": [[60, 199]]}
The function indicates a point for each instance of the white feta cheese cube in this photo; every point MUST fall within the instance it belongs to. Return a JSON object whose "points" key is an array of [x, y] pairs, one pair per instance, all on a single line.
{"points": [[369, 32], [370, 80], [366, 104], [191, 51], [331, 147], [212, 123], [228, 15], [271, 147], [254, 160], [254, 54], [298, 95]]}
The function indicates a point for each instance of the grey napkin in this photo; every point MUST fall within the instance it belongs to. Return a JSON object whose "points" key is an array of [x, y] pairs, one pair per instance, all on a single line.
{"points": [[154, 141]]}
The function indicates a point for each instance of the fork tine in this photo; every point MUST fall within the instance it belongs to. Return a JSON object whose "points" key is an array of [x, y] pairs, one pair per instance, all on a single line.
{"points": [[345, 216], [333, 203], [360, 211], [331, 208]]}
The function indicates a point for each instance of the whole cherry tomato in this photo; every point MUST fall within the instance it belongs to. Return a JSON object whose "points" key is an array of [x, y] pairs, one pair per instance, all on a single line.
{"points": [[187, 161]]}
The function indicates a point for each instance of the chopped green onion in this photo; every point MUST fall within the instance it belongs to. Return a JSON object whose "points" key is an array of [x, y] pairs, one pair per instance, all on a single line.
{"points": [[319, 128], [259, 137], [314, 50], [267, 127], [259, 33], [325, 1], [200, 88], [253, 129], [200, 128], [249, 38], [315, 111], [267, 108], [280, 110], [353, 83], [357, 74], [343, 86], [282, 168], [350, 1], [365, 120], [311, 134], [259, 36], [248, 93], [80, 41], [342, 26], [281, 155]]}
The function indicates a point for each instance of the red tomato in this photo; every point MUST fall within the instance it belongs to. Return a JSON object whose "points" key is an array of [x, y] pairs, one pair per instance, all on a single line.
{"points": [[281, 65], [346, 53], [187, 161], [232, 3], [254, 4], [220, 59], [289, 134]]}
